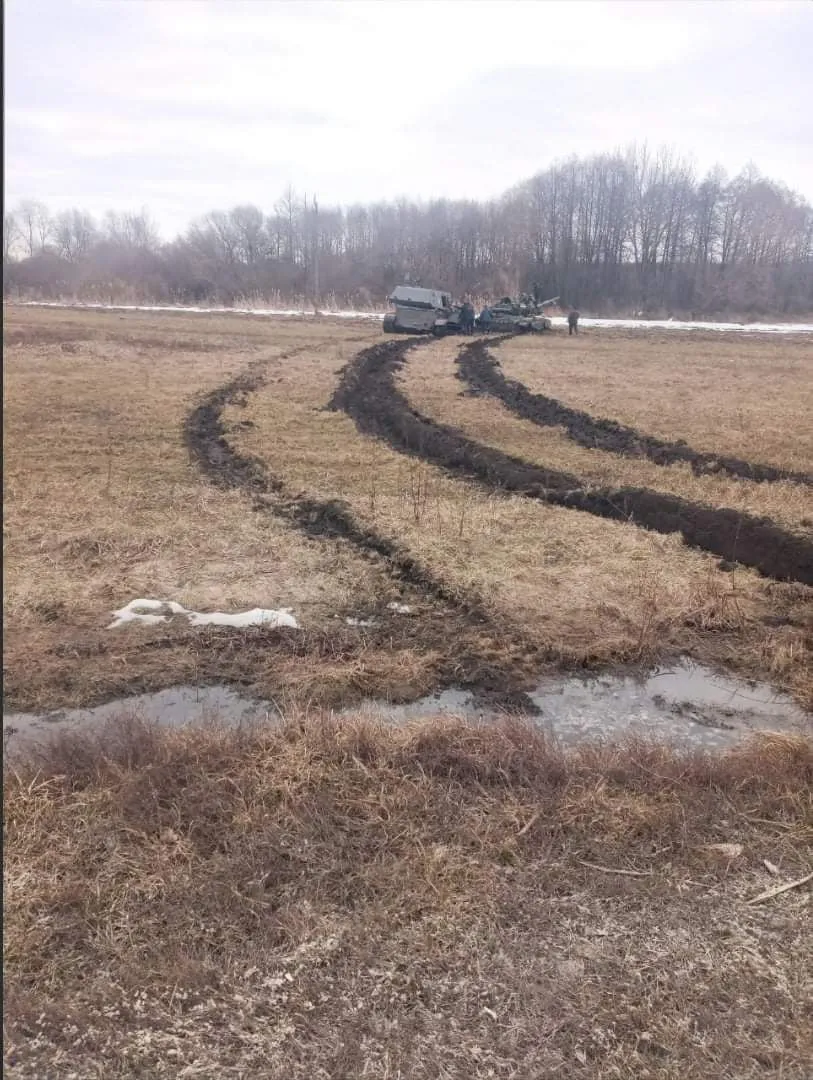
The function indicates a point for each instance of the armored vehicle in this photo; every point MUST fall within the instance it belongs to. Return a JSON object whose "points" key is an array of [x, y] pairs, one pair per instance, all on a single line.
{"points": [[519, 317], [422, 311]]}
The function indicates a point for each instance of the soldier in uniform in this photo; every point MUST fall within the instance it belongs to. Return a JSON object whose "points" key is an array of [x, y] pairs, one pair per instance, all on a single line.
{"points": [[467, 318], [572, 322]]}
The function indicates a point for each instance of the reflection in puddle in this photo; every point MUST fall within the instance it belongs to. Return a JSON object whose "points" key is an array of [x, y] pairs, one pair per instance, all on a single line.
{"points": [[174, 707], [687, 704]]}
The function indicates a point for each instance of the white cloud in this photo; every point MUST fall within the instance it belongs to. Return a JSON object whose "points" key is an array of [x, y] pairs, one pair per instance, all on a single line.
{"points": [[194, 104]]}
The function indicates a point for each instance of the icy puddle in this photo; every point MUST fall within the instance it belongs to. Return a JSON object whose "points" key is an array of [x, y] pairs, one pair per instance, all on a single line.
{"points": [[685, 704], [173, 708]]}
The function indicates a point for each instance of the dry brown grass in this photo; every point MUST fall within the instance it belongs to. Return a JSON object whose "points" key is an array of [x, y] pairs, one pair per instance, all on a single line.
{"points": [[102, 501], [747, 395], [582, 589], [102, 504], [444, 901], [429, 382]]}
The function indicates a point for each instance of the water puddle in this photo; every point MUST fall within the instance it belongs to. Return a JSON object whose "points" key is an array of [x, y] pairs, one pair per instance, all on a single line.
{"points": [[175, 707], [685, 704]]}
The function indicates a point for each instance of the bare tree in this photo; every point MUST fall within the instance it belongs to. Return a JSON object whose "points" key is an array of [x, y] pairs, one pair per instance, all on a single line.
{"points": [[289, 212], [251, 240], [11, 234], [622, 231], [35, 225], [131, 230], [75, 232]]}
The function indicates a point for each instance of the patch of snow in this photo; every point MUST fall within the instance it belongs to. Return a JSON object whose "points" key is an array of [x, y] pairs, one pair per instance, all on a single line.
{"points": [[360, 622], [124, 616], [399, 609], [676, 324], [145, 611], [557, 320], [256, 617], [289, 313], [139, 611]]}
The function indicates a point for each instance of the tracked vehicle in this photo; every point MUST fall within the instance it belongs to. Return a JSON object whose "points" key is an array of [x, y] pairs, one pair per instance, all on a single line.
{"points": [[512, 317], [422, 311]]}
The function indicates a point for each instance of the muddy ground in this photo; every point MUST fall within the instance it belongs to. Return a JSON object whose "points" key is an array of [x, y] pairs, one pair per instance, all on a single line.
{"points": [[481, 661], [454, 637], [367, 392], [483, 373]]}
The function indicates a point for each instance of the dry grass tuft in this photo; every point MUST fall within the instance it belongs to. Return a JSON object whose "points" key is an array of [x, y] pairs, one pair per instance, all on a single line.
{"points": [[333, 899]]}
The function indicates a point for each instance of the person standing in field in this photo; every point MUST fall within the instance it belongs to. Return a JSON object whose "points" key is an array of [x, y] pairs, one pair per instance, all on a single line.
{"points": [[467, 318], [572, 322]]}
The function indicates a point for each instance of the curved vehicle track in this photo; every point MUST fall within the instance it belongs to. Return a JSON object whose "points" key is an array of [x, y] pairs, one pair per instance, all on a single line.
{"points": [[368, 394], [226, 467], [484, 660], [482, 372]]}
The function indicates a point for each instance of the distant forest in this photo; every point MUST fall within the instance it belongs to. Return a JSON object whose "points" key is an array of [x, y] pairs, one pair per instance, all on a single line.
{"points": [[634, 231]]}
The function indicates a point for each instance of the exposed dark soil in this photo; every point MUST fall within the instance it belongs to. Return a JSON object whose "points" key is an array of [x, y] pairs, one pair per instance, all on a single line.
{"points": [[319, 518], [481, 371], [484, 659], [367, 392], [451, 639]]}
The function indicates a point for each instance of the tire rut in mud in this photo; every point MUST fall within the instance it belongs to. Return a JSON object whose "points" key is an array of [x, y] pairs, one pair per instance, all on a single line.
{"points": [[483, 658], [368, 394], [226, 467], [482, 372]]}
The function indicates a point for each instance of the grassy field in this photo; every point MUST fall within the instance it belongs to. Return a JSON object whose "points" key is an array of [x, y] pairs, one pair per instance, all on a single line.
{"points": [[439, 901], [610, 591], [103, 505], [337, 899], [744, 394]]}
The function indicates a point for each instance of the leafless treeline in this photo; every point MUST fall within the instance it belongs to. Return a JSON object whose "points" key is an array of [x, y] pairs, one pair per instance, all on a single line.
{"points": [[629, 231]]}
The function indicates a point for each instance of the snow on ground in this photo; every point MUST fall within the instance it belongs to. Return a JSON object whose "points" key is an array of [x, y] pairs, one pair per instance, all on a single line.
{"points": [[160, 611], [585, 321], [289, 313], [677, 324]]}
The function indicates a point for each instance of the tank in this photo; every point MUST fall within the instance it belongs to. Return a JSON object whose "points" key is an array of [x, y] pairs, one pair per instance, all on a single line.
{"points": [[518, 317]]}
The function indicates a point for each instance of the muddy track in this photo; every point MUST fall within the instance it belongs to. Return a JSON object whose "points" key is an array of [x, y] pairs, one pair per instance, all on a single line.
{"points": [[482, 372], [483, 659], [205, 437], [367, 393]]}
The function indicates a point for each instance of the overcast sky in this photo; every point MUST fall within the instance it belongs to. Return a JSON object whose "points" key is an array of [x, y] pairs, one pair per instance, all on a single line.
{"points": [[186, 106]]}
